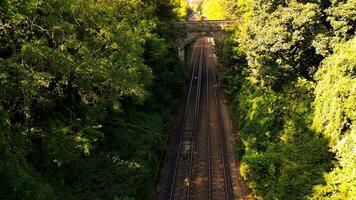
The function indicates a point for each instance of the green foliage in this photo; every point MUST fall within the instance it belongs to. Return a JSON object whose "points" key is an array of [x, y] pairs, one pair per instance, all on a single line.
{"points": [[214, 9], [182, 9], [335, 117], [285, 51], [342, 17], [18, 180], [220, 9], [229, 53], [335, 93], [282, 157], [340, 21], [289, 73], [87, 88], [244, 9]]}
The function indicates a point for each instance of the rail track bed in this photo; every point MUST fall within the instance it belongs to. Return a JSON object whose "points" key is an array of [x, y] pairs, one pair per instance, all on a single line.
{"points": [[200, 166]]}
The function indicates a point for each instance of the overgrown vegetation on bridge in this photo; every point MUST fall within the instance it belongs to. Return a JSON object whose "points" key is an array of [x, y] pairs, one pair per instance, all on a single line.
{"points": [[86, 91], [290, 75]]}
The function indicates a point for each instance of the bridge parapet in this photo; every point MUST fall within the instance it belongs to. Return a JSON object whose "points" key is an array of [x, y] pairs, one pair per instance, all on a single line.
{"points": [[194, 29], [207, 25]]}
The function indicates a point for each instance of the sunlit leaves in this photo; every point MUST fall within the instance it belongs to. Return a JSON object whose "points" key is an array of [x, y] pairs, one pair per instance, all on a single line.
{"points": [[278, 44], [285, 43], [335, 117], [336, 92], [342, 17], [220, 9], [181, 8]]}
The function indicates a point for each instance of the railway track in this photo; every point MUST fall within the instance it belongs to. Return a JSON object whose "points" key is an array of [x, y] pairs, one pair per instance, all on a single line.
{"points": [[181, 184], [201, 163], [222, 139]]}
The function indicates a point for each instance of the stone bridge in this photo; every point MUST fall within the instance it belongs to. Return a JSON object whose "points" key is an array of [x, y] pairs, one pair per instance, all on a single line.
{"points": [[189, 31]]}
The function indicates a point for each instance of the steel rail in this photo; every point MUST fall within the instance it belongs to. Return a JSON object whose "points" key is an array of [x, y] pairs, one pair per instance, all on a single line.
{"points": [[225, 160], [224, 149], [173, 184], [196, 121], [181, 132], [208, 134]]}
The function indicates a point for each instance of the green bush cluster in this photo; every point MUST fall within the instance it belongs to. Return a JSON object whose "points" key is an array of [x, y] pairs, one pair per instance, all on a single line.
{"points": [[86, 91], [289, 74]]}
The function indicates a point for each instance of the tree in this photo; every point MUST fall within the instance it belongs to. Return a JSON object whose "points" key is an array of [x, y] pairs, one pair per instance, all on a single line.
{"points": [[335, 117], [278, 42], [290, 74], [81, 107], [220, 9]]}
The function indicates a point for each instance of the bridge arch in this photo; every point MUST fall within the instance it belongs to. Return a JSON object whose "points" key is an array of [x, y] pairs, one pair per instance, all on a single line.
{"points": [[194, 29]]}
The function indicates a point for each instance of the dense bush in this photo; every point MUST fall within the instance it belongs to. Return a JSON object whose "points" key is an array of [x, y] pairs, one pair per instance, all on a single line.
{"points": [[86, 91], [289, 74]]}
